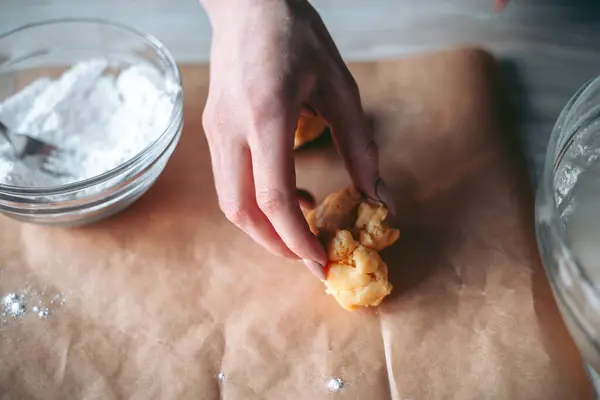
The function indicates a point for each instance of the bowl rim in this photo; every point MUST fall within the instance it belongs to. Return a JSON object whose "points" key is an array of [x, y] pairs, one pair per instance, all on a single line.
{"points": [[174, 119], [552, 159]]}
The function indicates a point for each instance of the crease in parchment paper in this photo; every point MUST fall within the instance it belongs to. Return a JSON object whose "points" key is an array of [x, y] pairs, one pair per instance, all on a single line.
{"points": [[391, 377], [62, 360]]}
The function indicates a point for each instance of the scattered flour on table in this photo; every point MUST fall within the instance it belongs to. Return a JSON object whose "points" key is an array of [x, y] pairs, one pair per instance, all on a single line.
{"points": [[14, 305], [42, 312], [18, 304], [101, 120], [335, 385]]}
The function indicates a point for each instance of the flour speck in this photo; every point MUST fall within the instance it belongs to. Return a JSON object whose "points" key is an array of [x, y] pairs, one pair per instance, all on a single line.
{"points": [[335, 385], [15, 305], [55, 298], [44, 313]]}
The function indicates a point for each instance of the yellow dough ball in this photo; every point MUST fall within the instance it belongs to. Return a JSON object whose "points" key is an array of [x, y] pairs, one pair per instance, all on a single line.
{"points": [[353, 230]]}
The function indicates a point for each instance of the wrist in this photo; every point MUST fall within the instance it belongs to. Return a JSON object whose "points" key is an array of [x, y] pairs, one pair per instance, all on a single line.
{"points": [[220, 9], [214, 7]]}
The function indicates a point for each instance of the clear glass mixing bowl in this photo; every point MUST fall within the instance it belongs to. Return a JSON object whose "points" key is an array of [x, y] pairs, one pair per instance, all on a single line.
{"points": [[28, 53], [568, 220]]}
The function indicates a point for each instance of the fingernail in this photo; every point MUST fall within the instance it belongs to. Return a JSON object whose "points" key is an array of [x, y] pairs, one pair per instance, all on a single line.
{"points": [[385, 196], [315, 268]]}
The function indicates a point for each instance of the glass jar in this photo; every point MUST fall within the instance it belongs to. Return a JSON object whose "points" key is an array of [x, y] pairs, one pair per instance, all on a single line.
{"points": [[33, 50], [568, 220]]}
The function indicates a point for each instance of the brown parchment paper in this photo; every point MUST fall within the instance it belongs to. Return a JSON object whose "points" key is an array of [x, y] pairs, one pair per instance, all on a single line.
{"points": [[168, 294]]}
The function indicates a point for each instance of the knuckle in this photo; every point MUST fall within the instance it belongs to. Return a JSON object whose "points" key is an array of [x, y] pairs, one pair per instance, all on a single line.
{"points": [[217, 116], [209, 120], [272, 202], [237, 213]]}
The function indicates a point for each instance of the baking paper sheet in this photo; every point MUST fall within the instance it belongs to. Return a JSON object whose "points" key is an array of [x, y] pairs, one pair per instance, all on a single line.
{"points": [[169, 301]]}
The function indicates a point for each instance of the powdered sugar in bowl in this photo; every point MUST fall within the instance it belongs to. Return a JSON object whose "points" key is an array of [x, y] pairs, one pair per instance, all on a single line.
{"points": [[108, 95]]}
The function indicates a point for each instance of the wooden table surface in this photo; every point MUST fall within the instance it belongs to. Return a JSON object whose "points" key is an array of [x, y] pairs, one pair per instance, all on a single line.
{"points": [[549, 48]]}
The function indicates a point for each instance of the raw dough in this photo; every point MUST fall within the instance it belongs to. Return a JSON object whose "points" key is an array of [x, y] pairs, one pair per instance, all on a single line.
{"points": [[353, 230], [308, 129]]}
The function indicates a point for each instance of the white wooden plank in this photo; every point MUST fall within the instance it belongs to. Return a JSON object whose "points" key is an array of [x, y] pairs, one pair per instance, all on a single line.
{"points": [[552, 43]]}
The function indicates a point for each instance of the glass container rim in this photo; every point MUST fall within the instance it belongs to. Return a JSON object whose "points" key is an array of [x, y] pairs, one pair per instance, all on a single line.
{"points": [[174, 119], [551, 162]]}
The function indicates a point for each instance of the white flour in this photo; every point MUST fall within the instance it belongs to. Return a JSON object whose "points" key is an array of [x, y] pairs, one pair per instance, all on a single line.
{"points": [[14, 304], [335, 385], [100, 119], [27, 301]]}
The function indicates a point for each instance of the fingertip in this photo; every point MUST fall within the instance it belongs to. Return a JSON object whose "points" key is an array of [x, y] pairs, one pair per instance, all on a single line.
{"points": [[316, 268], [384, 194]]}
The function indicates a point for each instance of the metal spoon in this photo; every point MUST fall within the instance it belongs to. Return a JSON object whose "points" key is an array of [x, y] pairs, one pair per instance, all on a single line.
{"points": [[34, 152]]}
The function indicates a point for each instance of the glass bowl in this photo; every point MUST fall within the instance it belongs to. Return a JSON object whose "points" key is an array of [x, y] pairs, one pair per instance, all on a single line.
{"points": [[28, 53], [568, 220]]}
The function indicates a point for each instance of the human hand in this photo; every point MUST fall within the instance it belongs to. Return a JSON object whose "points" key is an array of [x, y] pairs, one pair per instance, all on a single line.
{"points": [[271, 59]]}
